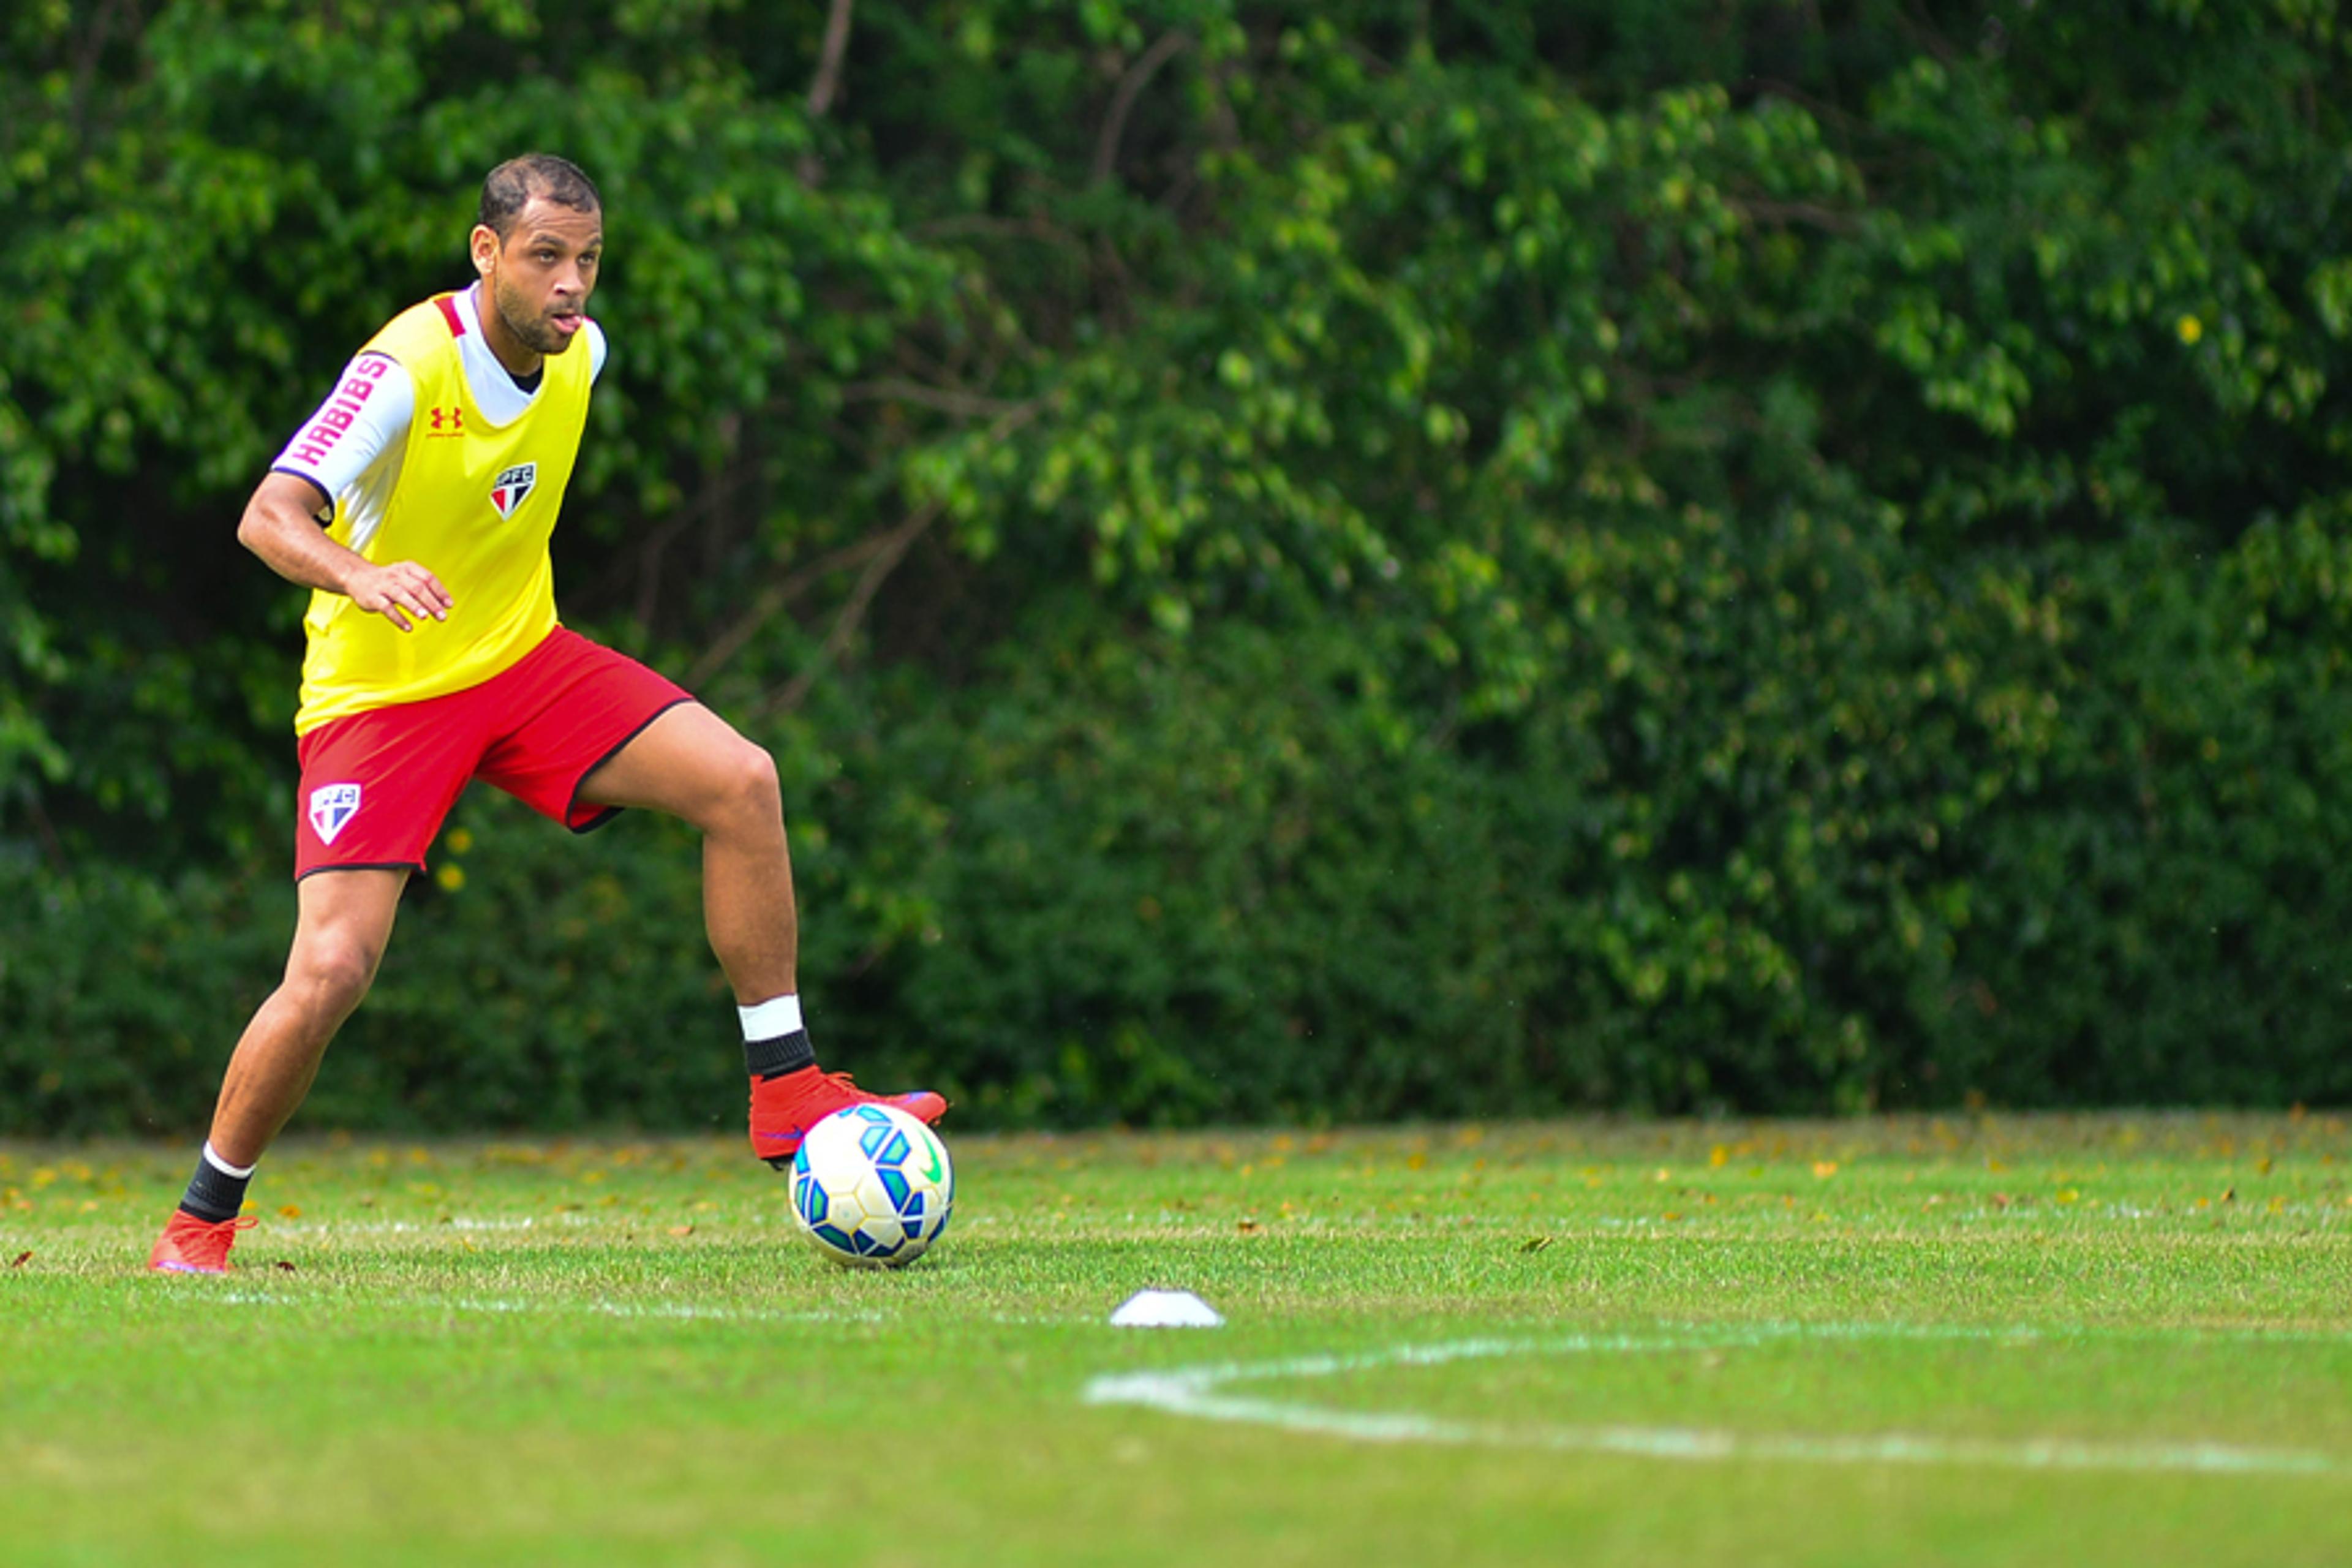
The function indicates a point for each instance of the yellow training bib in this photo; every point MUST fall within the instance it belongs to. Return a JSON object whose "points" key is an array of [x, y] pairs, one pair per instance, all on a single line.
{"points": [[474, 504]]}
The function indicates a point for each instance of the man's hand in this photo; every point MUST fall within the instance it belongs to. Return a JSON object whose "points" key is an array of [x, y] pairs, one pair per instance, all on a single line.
{"points": [[398, 591]]}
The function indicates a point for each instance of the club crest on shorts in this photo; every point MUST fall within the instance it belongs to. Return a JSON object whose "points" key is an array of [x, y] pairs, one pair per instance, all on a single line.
{"points": [[332, 806], [513, 485]]}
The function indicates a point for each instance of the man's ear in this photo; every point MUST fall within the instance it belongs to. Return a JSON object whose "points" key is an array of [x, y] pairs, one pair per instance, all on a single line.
{"points": [[485, 246]]}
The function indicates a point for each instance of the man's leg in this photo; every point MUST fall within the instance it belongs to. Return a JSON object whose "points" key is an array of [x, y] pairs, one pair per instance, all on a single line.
{"points": [[345, 920], [692, 764], [339, 938]]}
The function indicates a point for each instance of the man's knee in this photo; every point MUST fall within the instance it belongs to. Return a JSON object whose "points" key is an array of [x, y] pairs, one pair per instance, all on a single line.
{"points": [[746, 783], [332, 970]]}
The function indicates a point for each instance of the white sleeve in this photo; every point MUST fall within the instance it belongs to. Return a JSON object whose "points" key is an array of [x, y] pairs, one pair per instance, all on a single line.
{"points": [[596, 351], [367, 415]]}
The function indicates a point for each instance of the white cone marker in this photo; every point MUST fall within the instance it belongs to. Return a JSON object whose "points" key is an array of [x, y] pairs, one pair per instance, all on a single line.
{"points": [[1165, 1309]]}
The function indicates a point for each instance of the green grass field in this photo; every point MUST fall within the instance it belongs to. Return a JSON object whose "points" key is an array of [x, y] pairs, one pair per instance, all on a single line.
{"points": [[1999, 1341]]}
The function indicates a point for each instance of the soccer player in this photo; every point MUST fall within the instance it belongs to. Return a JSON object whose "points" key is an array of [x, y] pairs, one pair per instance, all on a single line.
{"points": [[434, 656]]}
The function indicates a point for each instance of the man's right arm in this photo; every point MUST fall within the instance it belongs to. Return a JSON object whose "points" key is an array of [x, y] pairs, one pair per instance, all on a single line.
{"points": [[281, 525], [365, 417]]}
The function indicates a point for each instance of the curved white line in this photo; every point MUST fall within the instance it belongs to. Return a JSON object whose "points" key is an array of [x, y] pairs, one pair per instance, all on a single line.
{"points": [[1197, 1393]]}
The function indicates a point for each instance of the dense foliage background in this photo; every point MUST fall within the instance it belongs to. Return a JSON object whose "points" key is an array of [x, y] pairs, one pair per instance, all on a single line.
{"points": [[1332, 561]]}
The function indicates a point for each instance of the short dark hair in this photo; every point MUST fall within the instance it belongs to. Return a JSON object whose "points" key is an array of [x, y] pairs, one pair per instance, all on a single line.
{"points": [[510, 186]]}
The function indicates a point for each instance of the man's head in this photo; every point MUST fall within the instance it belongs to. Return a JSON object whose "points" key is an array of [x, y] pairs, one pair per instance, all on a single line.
{"points": [[537, 241]]}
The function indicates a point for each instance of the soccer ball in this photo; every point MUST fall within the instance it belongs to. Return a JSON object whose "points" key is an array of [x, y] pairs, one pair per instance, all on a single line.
{"points": [[872, 1186]]}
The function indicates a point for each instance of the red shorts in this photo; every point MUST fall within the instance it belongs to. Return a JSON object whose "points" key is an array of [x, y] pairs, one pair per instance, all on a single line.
{"points": [[376, 785]]}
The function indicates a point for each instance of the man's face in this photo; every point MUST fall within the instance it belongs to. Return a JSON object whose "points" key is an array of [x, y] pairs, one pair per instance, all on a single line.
{"points": [[540, 278]]}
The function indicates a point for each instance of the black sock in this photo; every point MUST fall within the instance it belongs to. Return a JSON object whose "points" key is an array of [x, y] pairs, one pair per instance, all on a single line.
{"points": [[774, 1058], [213, 1195]]}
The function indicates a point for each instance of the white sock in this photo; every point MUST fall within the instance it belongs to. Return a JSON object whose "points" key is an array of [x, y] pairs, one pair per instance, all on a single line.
{"points": [[211, 1158], [772, 1019]]}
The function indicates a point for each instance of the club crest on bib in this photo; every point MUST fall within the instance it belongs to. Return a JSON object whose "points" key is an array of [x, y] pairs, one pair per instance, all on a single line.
{"points": [[332, 806], [513, 485]]}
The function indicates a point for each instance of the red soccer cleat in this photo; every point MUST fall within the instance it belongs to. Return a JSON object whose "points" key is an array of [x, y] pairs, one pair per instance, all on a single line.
{"points": [[784, 1108], [192, 1245]]}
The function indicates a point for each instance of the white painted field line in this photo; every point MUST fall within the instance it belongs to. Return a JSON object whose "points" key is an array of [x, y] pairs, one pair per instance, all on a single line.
{"points": [[1197, 1392], [1962, 1220], [497, 1305], [644, 1310], [469, 1223]]}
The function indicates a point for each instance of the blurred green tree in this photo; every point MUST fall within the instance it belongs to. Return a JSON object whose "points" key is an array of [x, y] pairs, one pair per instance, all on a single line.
{"points": [[1299, 561]]}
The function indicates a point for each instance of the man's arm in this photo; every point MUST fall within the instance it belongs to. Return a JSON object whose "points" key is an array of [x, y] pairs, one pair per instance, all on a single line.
{"points": [[281, 525], [365, 415]]}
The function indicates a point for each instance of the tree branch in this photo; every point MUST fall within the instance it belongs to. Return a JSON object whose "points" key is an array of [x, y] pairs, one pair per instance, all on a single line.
{"points": [[881, 553], [1169, 46], [628, 568], [1785, 214], [892, 548], [827, 83], [775, 597], [53, 848], [93, 47], [828, 65], [945, 399], [1033, 226]]}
